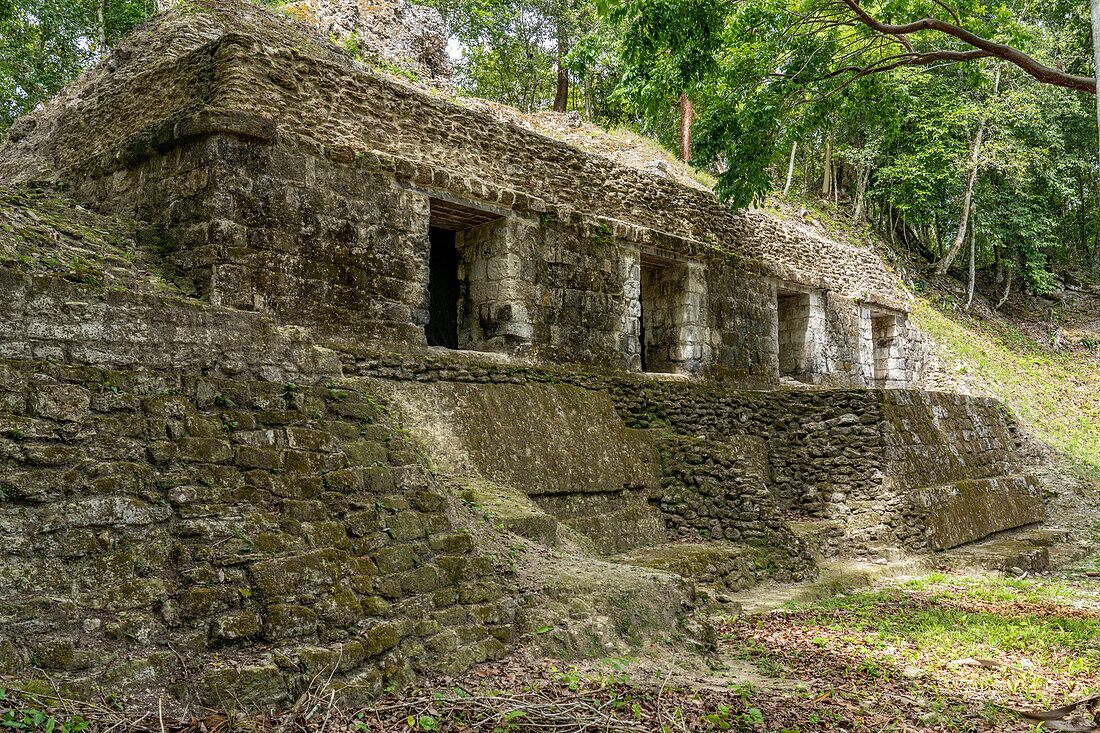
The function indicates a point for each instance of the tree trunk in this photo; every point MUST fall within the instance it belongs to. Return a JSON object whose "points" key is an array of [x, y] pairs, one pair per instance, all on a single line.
{"points": [[942, 265], [100, 12], [687, 114], [827, 178], [588, 95], [1008, 289], [561, 96], [790, 168], [807, 156], [1096, 241], [1094, 6], [861, 189], [973, 273]]}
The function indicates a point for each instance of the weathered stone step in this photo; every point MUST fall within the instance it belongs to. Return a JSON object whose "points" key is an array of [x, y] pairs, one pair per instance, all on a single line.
{"points": [[837, 576], [1030, 550], [720, 568], [822, 536], [622, 530], [605, 533], [726, 566]]}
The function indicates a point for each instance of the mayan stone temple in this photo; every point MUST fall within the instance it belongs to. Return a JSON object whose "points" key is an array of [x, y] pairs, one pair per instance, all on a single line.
{"points": [[335, 336]]}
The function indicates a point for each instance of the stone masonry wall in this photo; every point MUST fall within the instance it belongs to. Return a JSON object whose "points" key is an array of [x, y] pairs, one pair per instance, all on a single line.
{"points": [[249, 63], [45, 317], [854, 455], [230, 539], [335, 248], [717, 489]]}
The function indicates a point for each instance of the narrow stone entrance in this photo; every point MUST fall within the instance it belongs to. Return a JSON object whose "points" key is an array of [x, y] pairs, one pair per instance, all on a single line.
{"points": [[671, 314], [443, 289], [662, 285], [457, 272], [800, 333], [794, 325], [884, 331]]}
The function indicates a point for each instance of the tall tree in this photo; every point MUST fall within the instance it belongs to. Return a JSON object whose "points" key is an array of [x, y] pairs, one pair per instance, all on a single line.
{"points": [[968, 197], [669, 47]]}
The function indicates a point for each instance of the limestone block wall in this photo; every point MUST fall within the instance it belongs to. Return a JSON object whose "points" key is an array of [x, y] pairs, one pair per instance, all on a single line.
{"points": [[868, 458], [336, 248], [44, 317], [580, 299], [742, 333], [497, 276], [228, 539]]}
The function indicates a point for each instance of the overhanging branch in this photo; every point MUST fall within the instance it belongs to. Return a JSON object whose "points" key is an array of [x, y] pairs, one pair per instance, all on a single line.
{"points": [[989, 48]]}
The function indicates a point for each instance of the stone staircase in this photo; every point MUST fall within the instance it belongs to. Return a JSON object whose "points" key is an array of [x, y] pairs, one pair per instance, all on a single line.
{"points": [[1031, 550]]}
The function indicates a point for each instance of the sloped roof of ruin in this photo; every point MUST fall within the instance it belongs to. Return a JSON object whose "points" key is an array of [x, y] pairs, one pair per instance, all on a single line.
{"points": [[232, 66]]}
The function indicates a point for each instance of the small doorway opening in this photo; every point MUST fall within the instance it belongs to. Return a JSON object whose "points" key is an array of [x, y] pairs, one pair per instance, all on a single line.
{"points": [[884, 331], [443, 289], [662, 314], [451, 259], [793, 310]]}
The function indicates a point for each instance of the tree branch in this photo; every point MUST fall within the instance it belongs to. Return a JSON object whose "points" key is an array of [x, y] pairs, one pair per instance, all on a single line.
{"points": [[1015, 56]]}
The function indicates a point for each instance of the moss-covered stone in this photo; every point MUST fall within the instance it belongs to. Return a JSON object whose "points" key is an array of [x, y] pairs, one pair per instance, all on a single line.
{"points": [[309, 573], [236, 626], [145, 672], [282, 622], [253, 686], [378, 639], [970, 510]]}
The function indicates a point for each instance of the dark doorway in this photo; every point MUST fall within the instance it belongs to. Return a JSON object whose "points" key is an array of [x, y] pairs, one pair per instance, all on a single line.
{"points": [[442, 328]]}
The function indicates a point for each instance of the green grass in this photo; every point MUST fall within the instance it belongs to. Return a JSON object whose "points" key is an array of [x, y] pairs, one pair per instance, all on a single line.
{"points": [[931, 622], [1053, 393]]}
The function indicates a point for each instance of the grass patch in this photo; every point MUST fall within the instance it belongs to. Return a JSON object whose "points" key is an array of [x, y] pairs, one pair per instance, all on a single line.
{"points": [[1054, 393], [1040, 639]]}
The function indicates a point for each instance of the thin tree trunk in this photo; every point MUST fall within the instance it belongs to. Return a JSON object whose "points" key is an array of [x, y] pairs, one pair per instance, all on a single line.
{"points": [[827, 178], [687, 114], [588, 95], [1096, 241], [861, 189], [973, 273], [942, 265], [1094, 8], [790, 168], [1008, 289], [808, 156], [561, 96], [100, 12], [998, 263]]}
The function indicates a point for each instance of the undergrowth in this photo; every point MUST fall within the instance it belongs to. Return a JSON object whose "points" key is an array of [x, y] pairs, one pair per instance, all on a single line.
{"points": [[1052, 392]]}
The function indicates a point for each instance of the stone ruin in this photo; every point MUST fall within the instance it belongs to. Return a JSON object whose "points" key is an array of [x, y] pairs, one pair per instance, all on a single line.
{"points": [[405, 37], [242, 444]]}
